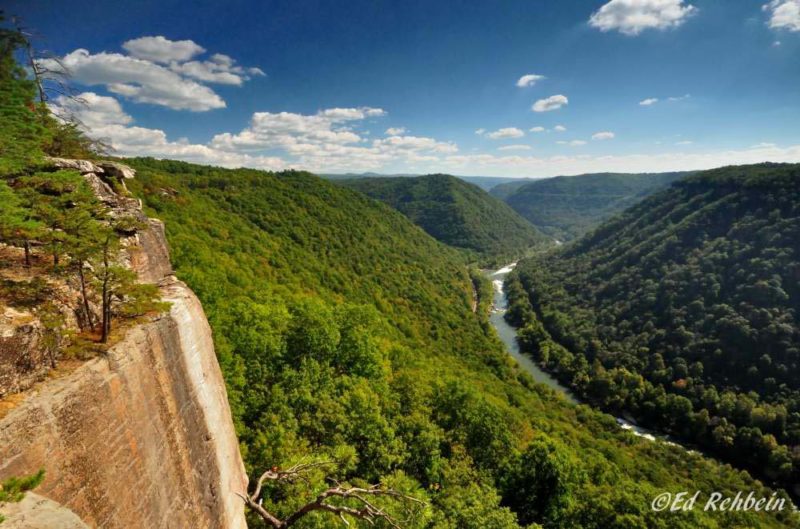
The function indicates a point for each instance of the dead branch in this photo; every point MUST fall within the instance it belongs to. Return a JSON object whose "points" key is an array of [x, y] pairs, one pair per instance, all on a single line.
{"points": [[366, 509]]}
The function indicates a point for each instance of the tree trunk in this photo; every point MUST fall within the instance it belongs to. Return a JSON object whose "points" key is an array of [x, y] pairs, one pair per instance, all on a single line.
{"points": [[86, 308], [27, 246], [106, 299]]}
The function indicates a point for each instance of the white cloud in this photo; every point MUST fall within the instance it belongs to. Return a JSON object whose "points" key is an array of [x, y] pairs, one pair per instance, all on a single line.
{"points": [[218, 69], [137, 79], [560, 128], [396, 131], [492, 165], [515, 147], [480, 132], [153, 73], [91, 110], [550, 103], [163, 50], [573, 143], [679, 98], [684, 142], [529, 80], [605, 135], [631, 17], [784, 14], [648, 102], [329, 141], [505, 133], [536, 129]]}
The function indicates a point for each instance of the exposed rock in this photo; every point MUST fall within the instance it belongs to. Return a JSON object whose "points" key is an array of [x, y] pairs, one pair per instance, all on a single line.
{"points": [[117, 169], [101, 189], [142, 437], [37, 512], [22, 361], [84, 166]]}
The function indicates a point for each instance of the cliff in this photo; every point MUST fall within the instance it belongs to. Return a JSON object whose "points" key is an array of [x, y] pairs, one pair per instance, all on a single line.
{"points": [[143, 436]]}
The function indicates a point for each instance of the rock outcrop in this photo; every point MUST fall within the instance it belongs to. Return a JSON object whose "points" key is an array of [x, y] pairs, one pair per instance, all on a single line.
{"points": [[37, 512], [142, 437]]}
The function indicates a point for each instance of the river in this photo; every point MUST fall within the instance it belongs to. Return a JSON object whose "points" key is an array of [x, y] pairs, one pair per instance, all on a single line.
{"points": [[508, 335]]}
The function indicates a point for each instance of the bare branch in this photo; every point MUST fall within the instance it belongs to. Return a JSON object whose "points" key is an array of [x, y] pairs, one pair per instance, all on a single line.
{"points": [[366, 509]]}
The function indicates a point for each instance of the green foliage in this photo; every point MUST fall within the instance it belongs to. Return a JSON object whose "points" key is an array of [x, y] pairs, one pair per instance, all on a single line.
{"points": [[565, 207], [346, 333], [28, 130], [456, 213], [21, 129], [13, 489], [683, 312]]}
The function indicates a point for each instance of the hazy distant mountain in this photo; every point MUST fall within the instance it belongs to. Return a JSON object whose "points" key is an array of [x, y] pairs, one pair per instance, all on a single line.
{"points": [[567, 206], [484, 182]]}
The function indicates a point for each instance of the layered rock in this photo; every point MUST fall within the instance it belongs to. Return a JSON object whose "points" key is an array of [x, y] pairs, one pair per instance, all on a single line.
{"points": [[142, 437]]}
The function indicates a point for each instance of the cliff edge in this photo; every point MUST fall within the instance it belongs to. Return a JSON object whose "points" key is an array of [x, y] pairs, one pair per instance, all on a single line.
{"points": [[143, 436]]}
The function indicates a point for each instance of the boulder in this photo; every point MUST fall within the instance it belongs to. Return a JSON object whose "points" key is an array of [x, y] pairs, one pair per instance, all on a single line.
{"points": [[117, 170]]}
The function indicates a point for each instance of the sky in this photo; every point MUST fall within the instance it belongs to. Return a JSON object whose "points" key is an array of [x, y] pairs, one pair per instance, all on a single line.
{"points": [[518, 88]]}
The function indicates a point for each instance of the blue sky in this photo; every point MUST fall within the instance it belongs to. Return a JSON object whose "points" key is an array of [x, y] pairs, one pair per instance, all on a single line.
{"points": [[435, 86]]}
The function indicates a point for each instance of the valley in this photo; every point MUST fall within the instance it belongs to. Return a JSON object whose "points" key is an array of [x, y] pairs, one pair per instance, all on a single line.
{"points": [[281, 309]]}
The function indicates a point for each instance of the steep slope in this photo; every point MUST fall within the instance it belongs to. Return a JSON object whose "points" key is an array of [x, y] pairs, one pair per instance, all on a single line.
{"points": [[141, 436], [565, 207], [455, 212], [683, 311], [346, 332]]}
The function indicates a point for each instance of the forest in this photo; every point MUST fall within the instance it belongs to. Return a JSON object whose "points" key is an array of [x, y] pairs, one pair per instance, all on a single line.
{"points": [[565, 207], [456, 213], [346, 333], [682, 312], [350, 346]]}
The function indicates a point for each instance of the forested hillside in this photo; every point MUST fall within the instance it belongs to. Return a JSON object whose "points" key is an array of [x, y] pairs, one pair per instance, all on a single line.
{"points": [[684, 312], [347, 334], [456, 213], [565, 207]]}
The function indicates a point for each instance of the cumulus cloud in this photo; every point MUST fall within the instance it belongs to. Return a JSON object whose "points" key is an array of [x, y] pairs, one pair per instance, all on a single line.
{"points": [[529, 80], [219, 68], [560, 128], [573, 143], [515, 147], [480, 132], [396, 131], [163, 50], [648, 102], [156, 72], [329, 141], [536, 129], [91, 110], [505, 133], [684, 142], [605, 135], [631, 17], [679, 98], [140, 80], [550, 103], [783, 14]]}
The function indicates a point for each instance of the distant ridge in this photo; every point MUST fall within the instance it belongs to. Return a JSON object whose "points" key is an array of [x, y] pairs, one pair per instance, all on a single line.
{"points": [[456, 213], [565, 207]]}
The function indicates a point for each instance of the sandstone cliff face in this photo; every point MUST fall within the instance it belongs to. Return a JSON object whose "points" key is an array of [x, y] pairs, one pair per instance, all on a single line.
{"points": [[144, 436]]}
